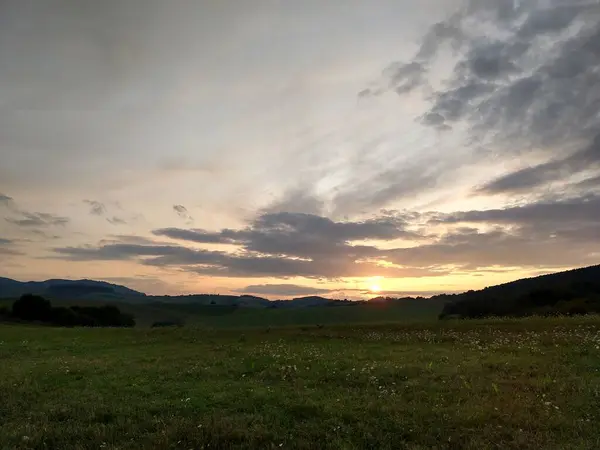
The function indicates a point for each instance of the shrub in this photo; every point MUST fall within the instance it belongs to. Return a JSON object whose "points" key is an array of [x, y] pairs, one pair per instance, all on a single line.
{"points": [[167, 323], [65, 317], [32, 307]]}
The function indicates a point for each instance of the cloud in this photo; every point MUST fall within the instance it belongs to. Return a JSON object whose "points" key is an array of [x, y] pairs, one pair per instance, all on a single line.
{"points": [[7, 247], [198, 235], [279, 245], [559, 169], [5, 251], [237, 265], [99, 209], [183, 213], [121, 252], [5, 200], [579, 211], [590, 184], [416, 176], [127, 239], [548, 233], [116, 220], [525, 77], [282, 289], [404, 78], [301, 235], [37, 219], [96, 208], [297, 200], [469, 250], [31, 220], [8, 203]]}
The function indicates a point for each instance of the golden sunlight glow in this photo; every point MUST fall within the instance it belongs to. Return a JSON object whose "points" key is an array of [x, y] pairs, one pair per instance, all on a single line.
{"points": [[375, 288]]}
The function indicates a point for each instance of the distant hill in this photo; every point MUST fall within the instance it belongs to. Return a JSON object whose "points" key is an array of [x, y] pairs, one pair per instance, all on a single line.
{"points": [[69, 289], [572, 292], [245, 301]]}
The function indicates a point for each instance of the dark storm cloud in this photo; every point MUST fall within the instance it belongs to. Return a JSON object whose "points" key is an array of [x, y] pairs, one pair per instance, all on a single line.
{"points": [[526, 77], [96, 208], [282, 289]]}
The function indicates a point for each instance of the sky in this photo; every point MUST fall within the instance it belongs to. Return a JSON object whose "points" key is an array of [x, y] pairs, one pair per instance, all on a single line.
{"points": [[281, 148]]}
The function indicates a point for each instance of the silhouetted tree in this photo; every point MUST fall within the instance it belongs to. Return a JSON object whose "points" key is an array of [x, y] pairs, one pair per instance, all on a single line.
{"points": [[32, 307], [167, 323]]}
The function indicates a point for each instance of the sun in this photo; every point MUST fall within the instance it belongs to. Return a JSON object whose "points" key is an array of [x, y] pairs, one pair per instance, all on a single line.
{"points": [[375, 288]]}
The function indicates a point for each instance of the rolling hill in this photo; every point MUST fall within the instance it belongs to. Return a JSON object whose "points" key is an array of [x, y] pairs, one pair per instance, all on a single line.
{"points": [[69, 289], [571, 292]]}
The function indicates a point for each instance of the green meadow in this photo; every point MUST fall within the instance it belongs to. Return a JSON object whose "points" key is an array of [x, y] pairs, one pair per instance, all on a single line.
{"points": [[205, 316], [495, 384]]}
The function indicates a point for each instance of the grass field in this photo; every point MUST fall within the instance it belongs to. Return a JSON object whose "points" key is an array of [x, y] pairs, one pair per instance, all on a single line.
{"points": [[532, 383], [226, 317]]}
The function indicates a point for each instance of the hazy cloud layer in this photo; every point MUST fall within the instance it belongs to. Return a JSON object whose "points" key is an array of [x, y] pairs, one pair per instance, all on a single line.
{"points": [[286, 290]]}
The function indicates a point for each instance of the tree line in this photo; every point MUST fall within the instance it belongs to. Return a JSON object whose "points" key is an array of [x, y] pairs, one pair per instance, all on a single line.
{"points": [[34, 308], [569, 299]]}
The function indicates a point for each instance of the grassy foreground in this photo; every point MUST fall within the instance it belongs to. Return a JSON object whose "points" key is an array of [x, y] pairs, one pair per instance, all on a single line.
{"points": [[532, 383]]}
